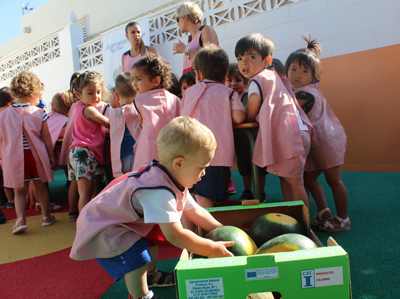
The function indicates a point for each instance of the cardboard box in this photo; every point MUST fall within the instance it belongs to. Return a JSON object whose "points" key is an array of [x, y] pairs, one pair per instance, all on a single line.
{"points": [[317, 273]]}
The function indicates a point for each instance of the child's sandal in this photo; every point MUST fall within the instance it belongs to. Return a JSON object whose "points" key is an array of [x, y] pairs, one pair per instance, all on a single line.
{"points": [[73, 216], [318, 220], [21, 228], [167, 279], [50, 220], [328, 227]]}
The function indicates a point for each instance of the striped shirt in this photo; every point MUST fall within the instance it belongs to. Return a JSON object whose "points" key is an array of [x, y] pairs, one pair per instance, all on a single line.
{"points": [[24, 141]]}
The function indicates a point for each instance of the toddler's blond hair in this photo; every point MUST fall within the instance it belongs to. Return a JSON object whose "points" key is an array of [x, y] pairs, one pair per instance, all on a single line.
{"points": [[183, 136]]}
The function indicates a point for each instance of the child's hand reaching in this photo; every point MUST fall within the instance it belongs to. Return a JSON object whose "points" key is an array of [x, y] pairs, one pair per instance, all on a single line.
{"points": [[220, 250], [52, 162]]}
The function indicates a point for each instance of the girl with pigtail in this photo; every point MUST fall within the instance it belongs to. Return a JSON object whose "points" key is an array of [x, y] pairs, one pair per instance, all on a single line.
{"points": [[88, 134], [303, 68]]}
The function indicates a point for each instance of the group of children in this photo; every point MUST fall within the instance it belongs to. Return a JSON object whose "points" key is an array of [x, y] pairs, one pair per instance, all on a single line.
{"points": [[161, 145]]}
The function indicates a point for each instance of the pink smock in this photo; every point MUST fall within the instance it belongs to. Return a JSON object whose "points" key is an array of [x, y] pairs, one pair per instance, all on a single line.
{"points": [[279, 137], [130, 61], [56, 123], [103, 108], [210, 103], [119, 117], [157, 108], [13, 122], [113, 221], [193, 43], [330, 132], [88, 134]]}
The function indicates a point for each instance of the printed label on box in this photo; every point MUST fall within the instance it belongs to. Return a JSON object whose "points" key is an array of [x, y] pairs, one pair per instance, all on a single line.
{"points": [[262, 273], [321, 277], [205, 288]]}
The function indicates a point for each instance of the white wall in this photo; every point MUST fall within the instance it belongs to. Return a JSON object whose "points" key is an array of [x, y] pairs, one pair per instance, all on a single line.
{"points": [[342, 27]]}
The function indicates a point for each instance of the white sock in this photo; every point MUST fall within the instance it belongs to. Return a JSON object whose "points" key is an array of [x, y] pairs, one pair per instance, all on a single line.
{"points": [[149, 295]]}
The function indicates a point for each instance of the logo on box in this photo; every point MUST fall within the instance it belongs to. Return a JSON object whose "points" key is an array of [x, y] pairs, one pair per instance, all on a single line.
{"points": [[321, 277]]}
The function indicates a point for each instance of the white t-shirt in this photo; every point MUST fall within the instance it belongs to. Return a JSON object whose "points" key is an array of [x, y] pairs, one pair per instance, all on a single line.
{"points": [[159, 205], [253, 88]]}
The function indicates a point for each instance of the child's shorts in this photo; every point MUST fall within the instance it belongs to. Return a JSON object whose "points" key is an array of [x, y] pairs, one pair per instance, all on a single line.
{"points": [[30, 171], [81, 163], [212, 184], [135, 257], [292, 168], [244, 163], [127, 163]]}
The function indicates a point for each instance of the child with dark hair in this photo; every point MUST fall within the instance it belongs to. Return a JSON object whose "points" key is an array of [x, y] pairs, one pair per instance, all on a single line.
{"points": [[155, 104], [138, 48], [186, 80], [303, 68], [124, 125], [278, 66], [217, 107], [236, 81], [283, 139], [26, 148], [7, 194], [175, 87]]}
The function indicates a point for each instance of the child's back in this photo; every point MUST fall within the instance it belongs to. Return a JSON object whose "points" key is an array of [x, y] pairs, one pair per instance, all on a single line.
{"points": [[211, 103], [157, 108]]}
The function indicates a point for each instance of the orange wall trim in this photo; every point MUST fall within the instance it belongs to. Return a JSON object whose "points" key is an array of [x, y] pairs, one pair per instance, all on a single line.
{"points": [[363, 90]]}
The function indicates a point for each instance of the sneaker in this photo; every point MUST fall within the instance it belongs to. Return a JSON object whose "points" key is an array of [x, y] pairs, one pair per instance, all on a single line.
{"points": [[247, 194], [10, 205], [231, 188], [2, 218], [3, 202]]}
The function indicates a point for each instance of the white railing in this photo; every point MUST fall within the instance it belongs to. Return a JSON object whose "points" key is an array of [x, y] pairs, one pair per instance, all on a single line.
{"points": [[91, 54], [31, 57]]}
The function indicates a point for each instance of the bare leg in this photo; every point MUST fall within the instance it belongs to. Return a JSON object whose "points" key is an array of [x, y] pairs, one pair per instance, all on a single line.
{"points": [[96, 184], [247, 179], [73, 197], [287, 195], [297, 190], [136, 282], [317, 191], [20, 203], [204, 202], [9, 193], [334, 179], [85, 190], [43, 196]]}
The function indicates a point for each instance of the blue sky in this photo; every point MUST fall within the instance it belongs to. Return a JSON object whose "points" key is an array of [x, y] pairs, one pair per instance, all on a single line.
{"points": [[11, 13]]}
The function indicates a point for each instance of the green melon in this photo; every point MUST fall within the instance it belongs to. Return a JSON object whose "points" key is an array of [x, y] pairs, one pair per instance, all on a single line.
{"points": [[271, 225], [243, 245], [287, 242]]}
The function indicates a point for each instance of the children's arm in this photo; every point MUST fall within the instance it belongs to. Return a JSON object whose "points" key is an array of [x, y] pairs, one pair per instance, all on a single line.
{"points": [[184, 238], [123, 62], [253, 107], [92, 114], [238, 116], [62, 132], [46, 137], [202, 218], [140, 120], [1, 147]]}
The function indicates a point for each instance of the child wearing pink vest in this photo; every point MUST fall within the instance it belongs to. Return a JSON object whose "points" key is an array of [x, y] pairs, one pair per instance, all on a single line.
{"points": [[217, 107], [138, 50], [141, 210], [58, 119], [155, 105], [285, 134], [124, 125], [88, 134], [188, 16], [26, 147], [303, 70]]}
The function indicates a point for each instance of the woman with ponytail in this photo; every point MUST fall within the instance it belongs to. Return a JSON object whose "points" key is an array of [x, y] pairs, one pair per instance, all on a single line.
{"points": [[138, 48], [303, 68]]}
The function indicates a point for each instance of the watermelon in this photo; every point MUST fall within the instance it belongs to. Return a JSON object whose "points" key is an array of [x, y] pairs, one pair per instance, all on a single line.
{"points": [[271, 225], [287, 242], [243, 245]]}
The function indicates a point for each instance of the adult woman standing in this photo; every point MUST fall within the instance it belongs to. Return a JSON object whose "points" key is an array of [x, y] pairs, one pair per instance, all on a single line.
{"points": [[138, 48], [188, 16]]}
